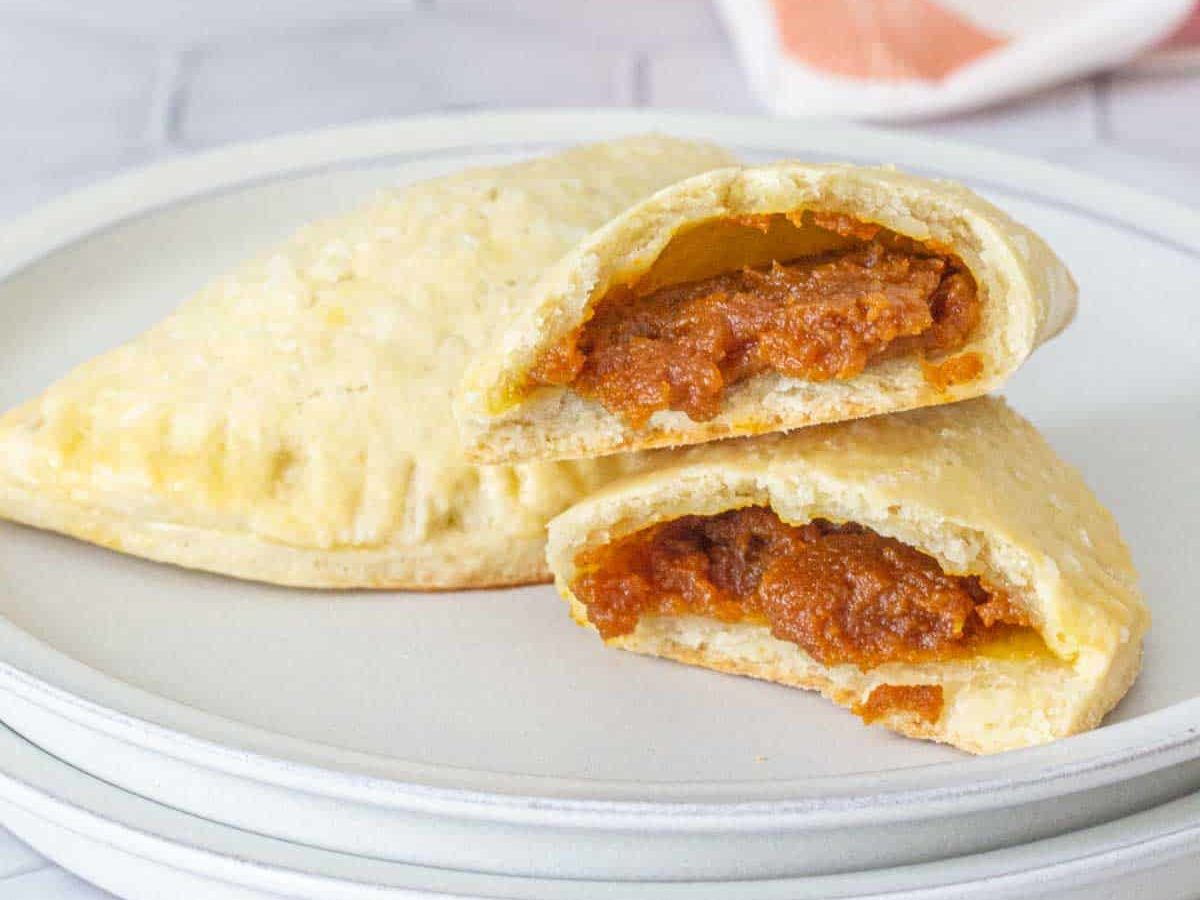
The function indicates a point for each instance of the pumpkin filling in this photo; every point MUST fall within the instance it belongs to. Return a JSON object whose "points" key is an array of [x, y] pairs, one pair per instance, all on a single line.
{"points": [[843, 593], [924, 701], [813, 296]]}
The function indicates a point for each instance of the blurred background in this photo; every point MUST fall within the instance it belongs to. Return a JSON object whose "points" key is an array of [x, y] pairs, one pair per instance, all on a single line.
{"points": [[88, 89]]}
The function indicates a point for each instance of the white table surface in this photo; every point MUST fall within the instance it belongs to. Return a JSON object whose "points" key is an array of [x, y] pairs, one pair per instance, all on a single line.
{"points": [[87, 90]]}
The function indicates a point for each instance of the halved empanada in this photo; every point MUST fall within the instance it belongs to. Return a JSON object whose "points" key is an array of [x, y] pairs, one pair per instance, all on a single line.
{"points": [[291, 423], [752, 300], [939, 570]]}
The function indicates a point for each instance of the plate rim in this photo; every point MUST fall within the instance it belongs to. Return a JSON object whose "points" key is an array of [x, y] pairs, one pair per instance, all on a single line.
{"points": [[1107, 753], [981, 791], [49, 790]]}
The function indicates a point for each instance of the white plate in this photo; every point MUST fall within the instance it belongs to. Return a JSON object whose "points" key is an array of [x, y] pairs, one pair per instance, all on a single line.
{"points": [[144, 851], [482, 730]]}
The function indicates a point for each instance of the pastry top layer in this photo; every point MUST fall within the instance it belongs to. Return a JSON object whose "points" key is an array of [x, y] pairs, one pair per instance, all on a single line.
{"points": [[972, 484], [1028, 295], [305, 398]]}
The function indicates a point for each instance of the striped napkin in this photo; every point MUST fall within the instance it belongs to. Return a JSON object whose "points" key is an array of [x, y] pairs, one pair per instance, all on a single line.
{"points": [[908, 59]]}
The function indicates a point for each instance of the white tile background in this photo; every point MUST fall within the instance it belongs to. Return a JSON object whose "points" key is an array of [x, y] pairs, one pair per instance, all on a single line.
{"points": [[87, 89]]}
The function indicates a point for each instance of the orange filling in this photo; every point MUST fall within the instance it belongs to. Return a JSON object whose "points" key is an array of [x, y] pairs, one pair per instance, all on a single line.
{"points": [[925, 701], [843, 593], [876, 294]]}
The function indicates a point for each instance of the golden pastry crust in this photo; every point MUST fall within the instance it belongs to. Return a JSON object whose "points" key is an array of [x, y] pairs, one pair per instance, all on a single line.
{"points": [[1028, 297], [973, 485], [290, 423]]}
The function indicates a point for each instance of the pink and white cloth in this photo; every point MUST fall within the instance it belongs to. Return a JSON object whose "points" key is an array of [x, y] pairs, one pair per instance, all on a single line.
{"points": [[907, 59]]}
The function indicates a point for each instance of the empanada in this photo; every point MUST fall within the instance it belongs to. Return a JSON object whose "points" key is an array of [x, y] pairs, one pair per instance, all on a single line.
{"points": [[292, 422], [752, 300], [940, 571]]}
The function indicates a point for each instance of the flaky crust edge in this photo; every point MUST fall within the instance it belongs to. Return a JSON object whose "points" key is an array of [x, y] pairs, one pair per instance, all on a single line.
{"points": [[1029, 297], [451, 561], [1078, 575]]}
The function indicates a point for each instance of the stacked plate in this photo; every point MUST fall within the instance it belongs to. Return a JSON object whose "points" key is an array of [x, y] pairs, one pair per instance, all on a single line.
{"points": [[176, 734]]}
